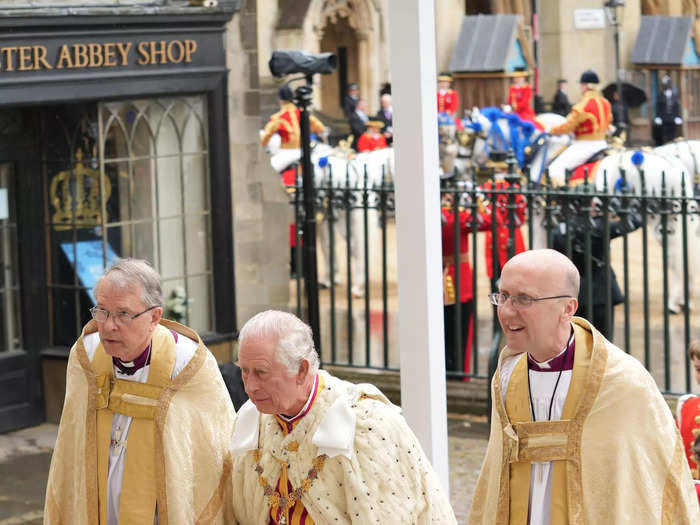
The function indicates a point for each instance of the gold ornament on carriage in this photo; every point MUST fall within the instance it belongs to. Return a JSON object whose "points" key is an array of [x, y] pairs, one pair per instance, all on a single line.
{"points": [[75, 196]]}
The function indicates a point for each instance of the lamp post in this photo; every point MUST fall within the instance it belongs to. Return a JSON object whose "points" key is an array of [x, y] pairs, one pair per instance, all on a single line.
{"points": [[611, 10]]}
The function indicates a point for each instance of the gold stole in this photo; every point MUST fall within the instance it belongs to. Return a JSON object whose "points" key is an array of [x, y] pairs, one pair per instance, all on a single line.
{"points": [[541, 441], [139, 400]]}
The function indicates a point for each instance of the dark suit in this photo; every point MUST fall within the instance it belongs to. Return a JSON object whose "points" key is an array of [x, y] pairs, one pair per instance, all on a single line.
{"points": [[620, 116], [561, 103], [358, 125], [349, 103], [599, 267], [387, 117], [668, 109]]}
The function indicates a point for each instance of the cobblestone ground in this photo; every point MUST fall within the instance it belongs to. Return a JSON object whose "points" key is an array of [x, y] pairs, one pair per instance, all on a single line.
{"points": [[468, 436], [25, 456]]}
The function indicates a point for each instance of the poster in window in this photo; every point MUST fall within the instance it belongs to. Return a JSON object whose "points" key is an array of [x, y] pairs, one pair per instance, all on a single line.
{"points": [[90, 266]]}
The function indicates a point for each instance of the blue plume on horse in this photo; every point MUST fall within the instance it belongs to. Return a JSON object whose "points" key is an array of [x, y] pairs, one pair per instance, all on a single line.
{"points": [[323, 162], [476, 126], [621, 185], [637, 158], [492, 113], [444, 119], [512, 118], [516, 141], [528, 128]]}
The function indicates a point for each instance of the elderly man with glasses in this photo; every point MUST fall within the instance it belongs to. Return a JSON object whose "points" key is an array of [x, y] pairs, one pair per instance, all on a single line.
{"points": [[579, 430], [147, 419], [310, 448]]}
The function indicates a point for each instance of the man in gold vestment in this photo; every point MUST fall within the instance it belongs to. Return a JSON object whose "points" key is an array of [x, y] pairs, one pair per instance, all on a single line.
{"points": [[309, 448], [579, 432], [146, 420]]}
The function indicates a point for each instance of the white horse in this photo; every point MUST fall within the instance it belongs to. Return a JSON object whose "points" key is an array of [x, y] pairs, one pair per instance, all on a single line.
{"points": [[659, 171], [338, 170], [357, 176], [688, 152]]}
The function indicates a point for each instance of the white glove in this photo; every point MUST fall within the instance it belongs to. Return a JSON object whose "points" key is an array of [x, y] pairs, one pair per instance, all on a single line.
{"points": [[678, 121], [657, 120]]}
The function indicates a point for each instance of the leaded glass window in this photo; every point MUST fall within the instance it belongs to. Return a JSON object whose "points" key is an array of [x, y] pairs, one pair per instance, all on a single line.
{"points": [[136, 185]]}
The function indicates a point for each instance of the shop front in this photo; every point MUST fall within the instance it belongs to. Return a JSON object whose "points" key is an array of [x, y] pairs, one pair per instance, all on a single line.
{"points": [[113, 143]]}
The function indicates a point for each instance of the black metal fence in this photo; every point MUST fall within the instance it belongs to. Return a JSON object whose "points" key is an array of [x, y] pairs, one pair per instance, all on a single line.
{"points": [[648, 239]]}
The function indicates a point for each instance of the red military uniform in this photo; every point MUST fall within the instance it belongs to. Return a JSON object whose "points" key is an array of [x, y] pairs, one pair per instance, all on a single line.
{"points": [[447, 101], [369, 142], [502, 226], [520, 99], [690, 428], [689, 423], [589, 119], [465, 270], [466, 291], [286, 123]]}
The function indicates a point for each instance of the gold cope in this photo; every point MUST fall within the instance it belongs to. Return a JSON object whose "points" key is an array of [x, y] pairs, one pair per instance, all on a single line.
{"points": [[93, 55]]}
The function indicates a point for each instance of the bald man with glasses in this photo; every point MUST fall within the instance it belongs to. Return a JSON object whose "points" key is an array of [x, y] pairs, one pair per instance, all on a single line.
{"points": [[579, 430], [147, 419]]}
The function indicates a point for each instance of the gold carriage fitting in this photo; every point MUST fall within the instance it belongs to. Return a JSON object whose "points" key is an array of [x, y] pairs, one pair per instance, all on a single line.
{"points": [[75, 196]]}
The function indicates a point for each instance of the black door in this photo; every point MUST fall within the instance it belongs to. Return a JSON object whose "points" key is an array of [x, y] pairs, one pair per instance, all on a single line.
{"points": [[20, 234]]}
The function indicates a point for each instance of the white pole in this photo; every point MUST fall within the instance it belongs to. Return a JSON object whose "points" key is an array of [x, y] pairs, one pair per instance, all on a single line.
{"points": [[421, 337]]}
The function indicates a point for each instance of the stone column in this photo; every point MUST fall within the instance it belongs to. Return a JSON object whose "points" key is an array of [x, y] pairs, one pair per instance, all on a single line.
{"points": [[261, 211], [364, 67]]}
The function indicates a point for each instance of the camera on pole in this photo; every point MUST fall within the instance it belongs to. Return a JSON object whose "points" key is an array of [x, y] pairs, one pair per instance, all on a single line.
{"points": [[287, 62]]}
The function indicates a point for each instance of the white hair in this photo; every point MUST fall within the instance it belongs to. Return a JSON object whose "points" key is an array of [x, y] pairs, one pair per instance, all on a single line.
{"points": [[130, 273], [294, 340]]}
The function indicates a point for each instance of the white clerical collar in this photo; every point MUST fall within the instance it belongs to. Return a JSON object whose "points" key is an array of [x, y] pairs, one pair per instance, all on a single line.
{"points": [[305, 408], [545, 364]]}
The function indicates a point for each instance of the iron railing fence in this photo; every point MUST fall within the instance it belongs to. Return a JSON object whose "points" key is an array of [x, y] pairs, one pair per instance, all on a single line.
{"points": [[598, 228]]}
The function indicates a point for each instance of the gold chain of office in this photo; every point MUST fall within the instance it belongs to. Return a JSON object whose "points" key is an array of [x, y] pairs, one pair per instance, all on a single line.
{"points": [[273, 496]]}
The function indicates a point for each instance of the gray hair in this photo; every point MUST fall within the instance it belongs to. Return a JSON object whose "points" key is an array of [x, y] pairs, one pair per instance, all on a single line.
{"points": [[294, 340], [129, 273]]}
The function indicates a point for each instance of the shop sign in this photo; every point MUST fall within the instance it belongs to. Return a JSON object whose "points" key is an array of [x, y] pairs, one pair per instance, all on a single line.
{"points": [[102, 55], [589, 18]]}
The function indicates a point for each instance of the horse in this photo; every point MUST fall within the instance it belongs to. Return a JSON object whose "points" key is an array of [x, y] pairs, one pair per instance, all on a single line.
{"points": [[348, 177], [688, 152], [448, 145], [495, 129], [632, 172], [668, 168]]}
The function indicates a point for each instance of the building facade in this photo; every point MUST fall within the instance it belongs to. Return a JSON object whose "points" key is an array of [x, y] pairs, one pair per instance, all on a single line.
{"points": [[129, 129]]}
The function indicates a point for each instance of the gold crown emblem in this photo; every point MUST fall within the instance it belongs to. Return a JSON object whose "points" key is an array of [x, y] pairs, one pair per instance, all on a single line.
{"points": [[75, 196]]}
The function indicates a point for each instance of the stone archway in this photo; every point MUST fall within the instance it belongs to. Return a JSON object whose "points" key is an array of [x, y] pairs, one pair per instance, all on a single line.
{"points": [[344, 27], [341, 39]]}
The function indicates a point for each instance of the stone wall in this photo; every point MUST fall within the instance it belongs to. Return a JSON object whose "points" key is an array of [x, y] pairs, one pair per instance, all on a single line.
{"points": [[261, 211], [568, 51]]}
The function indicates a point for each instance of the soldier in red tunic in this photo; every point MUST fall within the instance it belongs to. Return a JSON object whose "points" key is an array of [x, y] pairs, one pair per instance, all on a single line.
{"points": [[285, 123], [520, 99], [588, 121], [502, 218], [689, 418], [466, 293], [372, 138], [447, 98]]}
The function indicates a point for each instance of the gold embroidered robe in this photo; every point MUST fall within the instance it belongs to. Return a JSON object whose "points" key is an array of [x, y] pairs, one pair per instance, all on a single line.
{"points": [[617, 454], [192, 419], [386, 480]]}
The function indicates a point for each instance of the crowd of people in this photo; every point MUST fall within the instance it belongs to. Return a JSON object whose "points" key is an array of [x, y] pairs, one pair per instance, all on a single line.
{"points": [[580, 432]]}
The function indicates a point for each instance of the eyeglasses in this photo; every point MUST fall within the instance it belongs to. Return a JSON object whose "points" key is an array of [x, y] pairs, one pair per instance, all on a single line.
{"points": [[121, 318], [519, 301]]}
